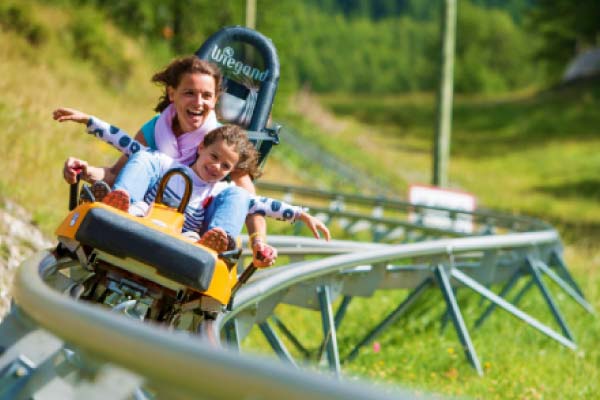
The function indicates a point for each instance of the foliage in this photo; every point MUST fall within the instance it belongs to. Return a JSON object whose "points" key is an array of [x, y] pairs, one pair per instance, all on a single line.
{"points": [[18, 16], [566, 28], [530, 154], [185, 25], [492, 54], [400, 54], [418, 9], [92, 42], [383, 46]]}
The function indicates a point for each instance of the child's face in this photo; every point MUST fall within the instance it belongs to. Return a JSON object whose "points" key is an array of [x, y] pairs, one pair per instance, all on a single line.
{"points": [[193, 99], [215, 161]]}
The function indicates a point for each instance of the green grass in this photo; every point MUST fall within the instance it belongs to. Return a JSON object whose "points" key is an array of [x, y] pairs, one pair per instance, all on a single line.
{"points": [[37, 78], [518, 361], [535, 154]]}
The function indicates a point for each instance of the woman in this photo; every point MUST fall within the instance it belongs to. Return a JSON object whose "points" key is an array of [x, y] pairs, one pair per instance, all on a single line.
{"points": [[187, 113]]}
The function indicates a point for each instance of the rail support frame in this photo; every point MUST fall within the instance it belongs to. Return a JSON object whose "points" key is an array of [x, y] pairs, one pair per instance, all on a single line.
{"points": [[390, 318], [276, 343], [329, 332], [533, 268], [482, 290], [503, 293], [557, 260], [290, 336], [443, 281]]}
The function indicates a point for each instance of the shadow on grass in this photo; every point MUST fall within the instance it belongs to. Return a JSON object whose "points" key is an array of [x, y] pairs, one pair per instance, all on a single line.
{"points": [[586, 188]]}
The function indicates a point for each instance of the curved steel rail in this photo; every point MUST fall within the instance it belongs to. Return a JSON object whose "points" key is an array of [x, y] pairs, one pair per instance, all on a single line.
{"points": [[347, 269], [361, 273], [511, 248], [167, 359], [268, 282], [402, 213]]}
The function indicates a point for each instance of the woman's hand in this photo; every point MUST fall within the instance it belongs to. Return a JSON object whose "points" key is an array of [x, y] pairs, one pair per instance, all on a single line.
{"points": [[73, 167], [263, 255], [69, 114], [315, 225]]}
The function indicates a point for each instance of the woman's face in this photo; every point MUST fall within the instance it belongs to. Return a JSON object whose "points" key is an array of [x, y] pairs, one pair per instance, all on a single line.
{"points": [[215, 161], [193, 99]]}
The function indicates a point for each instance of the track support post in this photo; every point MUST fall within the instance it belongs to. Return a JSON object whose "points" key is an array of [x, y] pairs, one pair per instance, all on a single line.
{"points": [[459, 324], [329, 331]]}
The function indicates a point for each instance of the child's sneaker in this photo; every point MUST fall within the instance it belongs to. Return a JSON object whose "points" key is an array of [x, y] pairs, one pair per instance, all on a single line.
{"points": [[85, 194], [191, 235], [139, 209], [96, 192], [118, 199], [100, 189], [218, 240]]}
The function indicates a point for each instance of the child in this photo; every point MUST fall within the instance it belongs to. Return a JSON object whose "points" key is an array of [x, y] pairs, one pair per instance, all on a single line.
{"points": [[190, 89], [223, 150]]}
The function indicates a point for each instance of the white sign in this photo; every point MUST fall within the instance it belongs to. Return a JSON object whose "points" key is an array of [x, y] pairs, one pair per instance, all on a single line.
{"points": [[445, 198]]}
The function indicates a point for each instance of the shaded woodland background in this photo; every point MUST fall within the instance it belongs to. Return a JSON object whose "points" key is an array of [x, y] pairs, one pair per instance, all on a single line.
{"points": [[522, 141], [357, 46]]}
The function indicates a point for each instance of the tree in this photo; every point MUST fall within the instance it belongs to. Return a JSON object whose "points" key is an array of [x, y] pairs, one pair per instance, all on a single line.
{"points": [[566, 28]]}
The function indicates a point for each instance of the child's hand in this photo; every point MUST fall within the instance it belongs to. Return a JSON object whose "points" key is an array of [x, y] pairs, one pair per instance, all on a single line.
{"points": [[72, 168], [70, 114], [315, 225], [263, 255]]}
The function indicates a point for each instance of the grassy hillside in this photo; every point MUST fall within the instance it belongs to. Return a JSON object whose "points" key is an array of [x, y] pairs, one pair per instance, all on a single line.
{"points": [[531, 153], [40, 75]]}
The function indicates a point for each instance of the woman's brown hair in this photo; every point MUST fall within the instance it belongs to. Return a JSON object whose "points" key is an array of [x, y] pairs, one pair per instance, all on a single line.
{"points": [[172, 73]]}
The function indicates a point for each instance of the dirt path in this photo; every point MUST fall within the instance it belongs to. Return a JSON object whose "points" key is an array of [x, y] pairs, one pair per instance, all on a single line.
{"points": [[18, 240]]}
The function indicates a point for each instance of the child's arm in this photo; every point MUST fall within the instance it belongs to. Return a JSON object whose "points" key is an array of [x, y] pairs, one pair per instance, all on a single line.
{"points": [[101, 129], [314, 224], [287, 212], [113, 135]]}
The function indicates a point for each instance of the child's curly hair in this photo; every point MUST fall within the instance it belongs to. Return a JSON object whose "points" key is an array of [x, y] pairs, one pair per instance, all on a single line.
{"points": [[235, 136]]}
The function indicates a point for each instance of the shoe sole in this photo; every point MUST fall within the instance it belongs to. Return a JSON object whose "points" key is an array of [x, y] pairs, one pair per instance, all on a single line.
{"points": [[215, 239], [117, 199]]}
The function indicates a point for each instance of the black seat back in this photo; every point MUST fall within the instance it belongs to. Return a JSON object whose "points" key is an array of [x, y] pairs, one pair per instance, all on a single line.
{"points": [[250, 69]]}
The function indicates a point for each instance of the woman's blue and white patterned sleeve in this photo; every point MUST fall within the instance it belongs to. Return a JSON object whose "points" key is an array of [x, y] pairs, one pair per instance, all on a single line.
{"points": [[114, 136], [277, 209]]}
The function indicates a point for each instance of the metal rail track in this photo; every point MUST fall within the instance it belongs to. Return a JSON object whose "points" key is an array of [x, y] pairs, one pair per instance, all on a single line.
{"points": [[54, 345]]}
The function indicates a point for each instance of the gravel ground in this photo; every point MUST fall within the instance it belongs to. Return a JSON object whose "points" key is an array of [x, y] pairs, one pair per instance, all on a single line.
{"points": [[18, 240]]}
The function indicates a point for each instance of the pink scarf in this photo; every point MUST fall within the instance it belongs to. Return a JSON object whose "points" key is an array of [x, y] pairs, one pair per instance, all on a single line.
{"points": [[183, 148]]}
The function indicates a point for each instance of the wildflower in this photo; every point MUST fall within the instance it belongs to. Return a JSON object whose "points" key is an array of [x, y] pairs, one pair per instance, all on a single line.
{"points": [[376, 347]]}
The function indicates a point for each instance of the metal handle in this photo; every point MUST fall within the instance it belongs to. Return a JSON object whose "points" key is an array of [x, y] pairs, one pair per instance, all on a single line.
{"points": [[188, 188], [248, 272], [73, 189]]}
